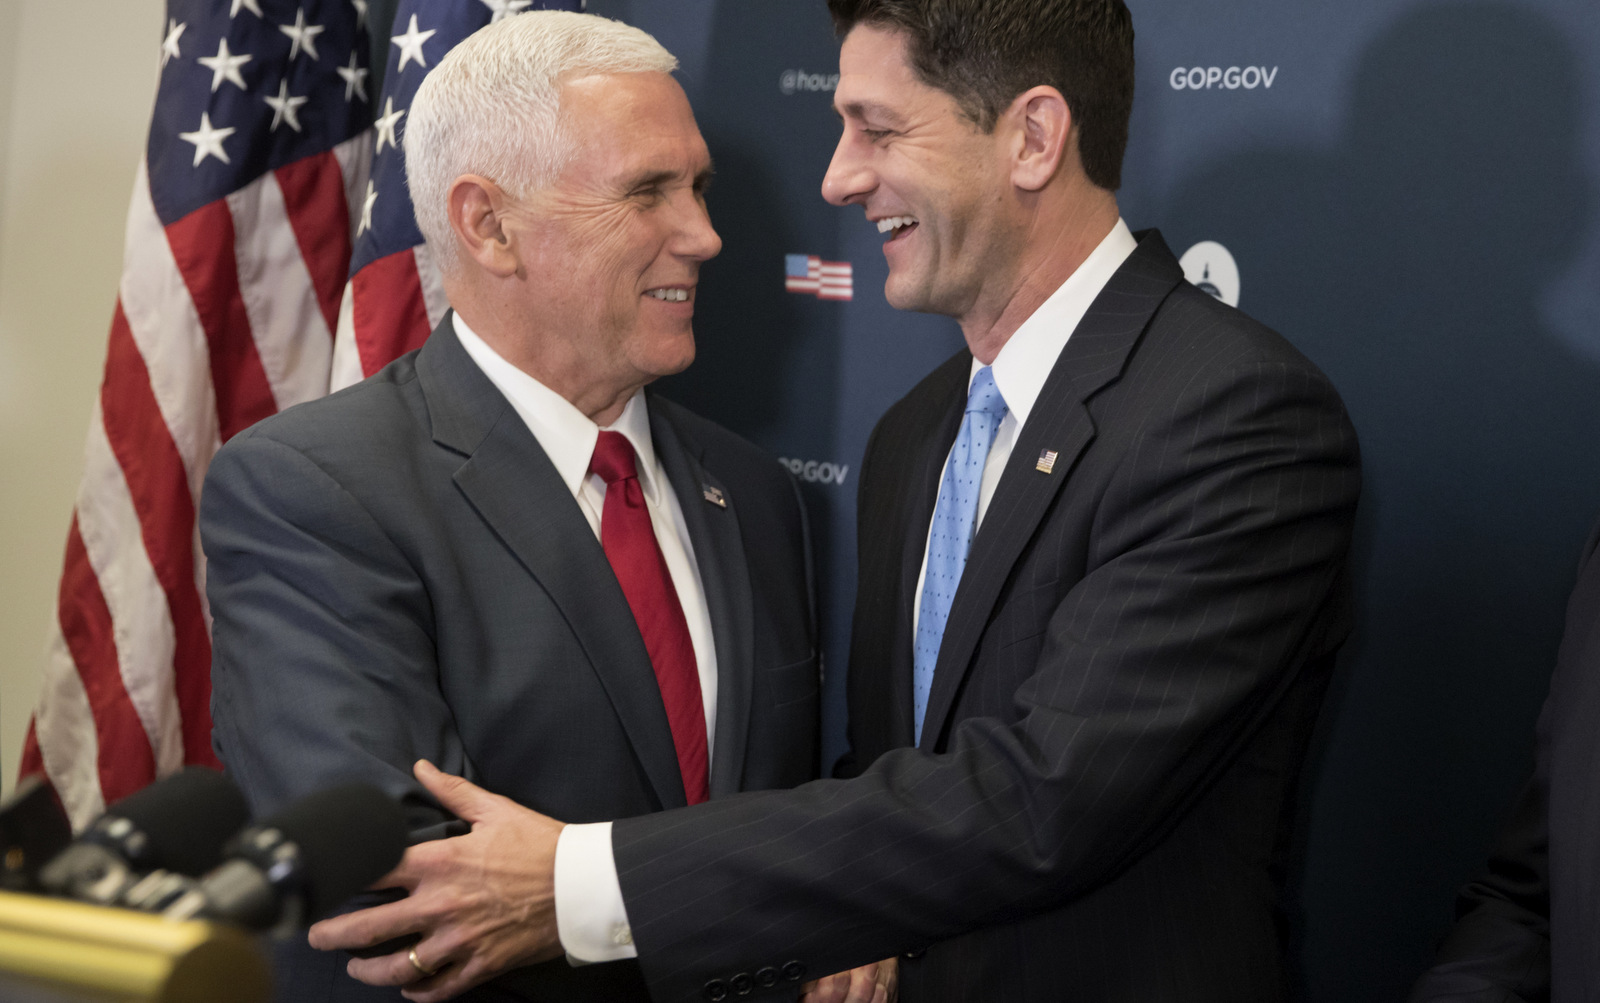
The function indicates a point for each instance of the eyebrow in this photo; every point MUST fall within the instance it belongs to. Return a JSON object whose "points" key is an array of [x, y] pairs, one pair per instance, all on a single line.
{"points": [[870, 109], [650, 180], [655, 178]]}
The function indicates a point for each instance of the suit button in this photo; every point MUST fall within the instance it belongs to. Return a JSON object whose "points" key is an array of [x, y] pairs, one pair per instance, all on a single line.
{"points": [[716, 991], [794, 971], [766, 977], [916, 953], [742, 983]]}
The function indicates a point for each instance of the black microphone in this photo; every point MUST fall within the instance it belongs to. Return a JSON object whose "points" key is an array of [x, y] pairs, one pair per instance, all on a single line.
{"points": [[33, 829], [295, 867], [177, 824]]}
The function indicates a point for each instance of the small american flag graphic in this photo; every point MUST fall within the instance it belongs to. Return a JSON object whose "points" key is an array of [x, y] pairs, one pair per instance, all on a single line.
{"points": [[826, 280]]}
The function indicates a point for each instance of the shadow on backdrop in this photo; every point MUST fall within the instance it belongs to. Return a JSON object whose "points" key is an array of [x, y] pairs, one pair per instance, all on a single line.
{"points": [[759, 348], [768, 361], [1407, 263]]}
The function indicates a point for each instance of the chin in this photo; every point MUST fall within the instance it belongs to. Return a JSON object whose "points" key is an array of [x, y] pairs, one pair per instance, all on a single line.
{"points": [[911, 299], [669, 363]]}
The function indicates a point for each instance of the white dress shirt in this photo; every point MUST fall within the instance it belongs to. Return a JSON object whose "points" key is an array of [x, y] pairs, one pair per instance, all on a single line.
{"points": [[1020, 371], [1025, 361], [597, 918]]}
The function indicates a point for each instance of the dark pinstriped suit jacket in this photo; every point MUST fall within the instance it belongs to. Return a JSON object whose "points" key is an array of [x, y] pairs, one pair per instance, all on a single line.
{"points": [[1130, 673]]}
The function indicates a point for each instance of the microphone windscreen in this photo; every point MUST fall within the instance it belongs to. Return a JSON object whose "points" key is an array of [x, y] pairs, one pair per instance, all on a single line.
{"points": [[187, 818], [349, 836], [33, 828]]}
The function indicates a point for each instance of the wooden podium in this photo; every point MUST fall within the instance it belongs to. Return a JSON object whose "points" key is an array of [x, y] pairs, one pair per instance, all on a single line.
{"points": [[55, 951]]}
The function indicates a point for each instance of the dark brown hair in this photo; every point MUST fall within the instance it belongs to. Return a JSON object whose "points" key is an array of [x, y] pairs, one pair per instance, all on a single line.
{"points": [[983, 53]]}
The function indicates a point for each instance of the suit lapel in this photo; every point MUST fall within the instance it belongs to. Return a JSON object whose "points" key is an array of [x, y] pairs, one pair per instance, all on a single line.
{"points": [[1060, 423], [511, 483], [724, 575]]}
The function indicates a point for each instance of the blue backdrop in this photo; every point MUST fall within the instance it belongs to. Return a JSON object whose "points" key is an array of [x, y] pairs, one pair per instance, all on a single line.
{"points": [[1406, 190]]}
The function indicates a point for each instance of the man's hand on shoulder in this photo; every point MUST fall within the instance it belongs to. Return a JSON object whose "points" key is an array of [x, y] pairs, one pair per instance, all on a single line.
{"points": [[878, 982], [483, 903]]}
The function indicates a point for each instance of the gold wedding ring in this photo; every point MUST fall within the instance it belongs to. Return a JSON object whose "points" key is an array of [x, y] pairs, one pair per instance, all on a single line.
{"points": [[419, 966]]}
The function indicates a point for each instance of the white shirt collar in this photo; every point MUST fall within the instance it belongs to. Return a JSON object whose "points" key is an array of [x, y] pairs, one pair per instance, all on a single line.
{"points": [[565, 434], [1025, 361]]}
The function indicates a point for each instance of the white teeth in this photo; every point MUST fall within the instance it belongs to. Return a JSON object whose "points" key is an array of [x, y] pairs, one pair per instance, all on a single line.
{"points": [[670, 295], [895, 223]]}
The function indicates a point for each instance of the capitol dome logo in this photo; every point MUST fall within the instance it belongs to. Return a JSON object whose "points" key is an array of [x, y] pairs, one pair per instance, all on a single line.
{"points": [[1212, 269]]}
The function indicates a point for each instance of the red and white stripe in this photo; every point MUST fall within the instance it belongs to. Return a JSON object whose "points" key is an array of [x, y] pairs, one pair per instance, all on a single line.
{"points": [[390, 307], [223, 318], [834, 280], [827, 280]]}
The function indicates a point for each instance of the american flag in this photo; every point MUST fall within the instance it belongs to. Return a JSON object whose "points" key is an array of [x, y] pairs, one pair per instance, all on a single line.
{"points": [[826, 280], [395, 297], [252, 196]]}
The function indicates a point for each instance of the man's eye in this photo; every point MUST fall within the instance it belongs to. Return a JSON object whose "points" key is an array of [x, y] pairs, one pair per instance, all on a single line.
{"points": [[873, 135]]}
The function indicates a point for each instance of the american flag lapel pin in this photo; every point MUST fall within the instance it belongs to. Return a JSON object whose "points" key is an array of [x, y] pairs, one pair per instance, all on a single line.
{"points": [[1047, 461], [713, 495]]}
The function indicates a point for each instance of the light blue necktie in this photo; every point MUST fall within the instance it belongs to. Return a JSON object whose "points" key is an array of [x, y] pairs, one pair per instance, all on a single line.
{"points": [[951, 535]]}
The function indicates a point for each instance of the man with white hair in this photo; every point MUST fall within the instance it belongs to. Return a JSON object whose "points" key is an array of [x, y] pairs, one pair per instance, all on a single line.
{"points": [[1102, 580], [500, 554]]}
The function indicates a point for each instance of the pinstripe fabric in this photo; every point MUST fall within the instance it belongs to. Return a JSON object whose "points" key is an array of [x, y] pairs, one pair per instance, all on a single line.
{"points": [[1132, 665]]}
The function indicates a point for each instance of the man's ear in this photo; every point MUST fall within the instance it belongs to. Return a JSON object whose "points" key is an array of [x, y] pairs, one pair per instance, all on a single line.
{"points": [[477, 207], [1044, 136]]}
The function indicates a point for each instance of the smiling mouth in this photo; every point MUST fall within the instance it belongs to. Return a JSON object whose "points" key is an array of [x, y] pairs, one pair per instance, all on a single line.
{"points": [[897, 226], [669, 294]]}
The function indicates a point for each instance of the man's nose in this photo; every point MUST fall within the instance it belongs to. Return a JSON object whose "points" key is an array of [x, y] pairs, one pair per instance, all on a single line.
{"points": [[697, 238], [848, 178]]}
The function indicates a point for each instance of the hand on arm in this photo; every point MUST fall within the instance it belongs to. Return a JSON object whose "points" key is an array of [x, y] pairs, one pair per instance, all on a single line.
{"points": [[878, 982], [483, 903]]}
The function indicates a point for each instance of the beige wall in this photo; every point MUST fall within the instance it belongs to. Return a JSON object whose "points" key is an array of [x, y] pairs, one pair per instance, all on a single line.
{"points": [[76, 83]]}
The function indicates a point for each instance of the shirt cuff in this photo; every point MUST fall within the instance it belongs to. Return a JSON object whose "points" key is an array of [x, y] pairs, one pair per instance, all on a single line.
{"points": [[590, 915]]}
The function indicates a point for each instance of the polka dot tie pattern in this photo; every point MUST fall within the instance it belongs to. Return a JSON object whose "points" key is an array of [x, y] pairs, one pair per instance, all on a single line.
{"points": [[951, 536]]}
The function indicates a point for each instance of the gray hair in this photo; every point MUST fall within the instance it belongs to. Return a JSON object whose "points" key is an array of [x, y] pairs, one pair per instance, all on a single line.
{"points": [[492, 106]]}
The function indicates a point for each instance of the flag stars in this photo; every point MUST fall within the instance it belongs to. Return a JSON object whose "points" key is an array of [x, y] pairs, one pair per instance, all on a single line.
{"points": [[366, 210], [304, 35], [355, 78], [169, 45], [411, 44], [224, 66], [284, 107], [207, 140], [385, 124], [253, 6], [361, 13], [505, 8]]}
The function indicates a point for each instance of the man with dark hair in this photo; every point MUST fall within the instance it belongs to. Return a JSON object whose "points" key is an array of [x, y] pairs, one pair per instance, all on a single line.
{"points": [[983, 56], [1102, 578]]}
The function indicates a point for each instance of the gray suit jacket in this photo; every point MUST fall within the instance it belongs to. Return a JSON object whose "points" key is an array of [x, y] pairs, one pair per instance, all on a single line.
{"points": [[1123, 695], [397, 572]]}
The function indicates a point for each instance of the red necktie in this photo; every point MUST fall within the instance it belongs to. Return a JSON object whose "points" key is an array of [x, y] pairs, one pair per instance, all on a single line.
{"points": [[630, 544]]}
